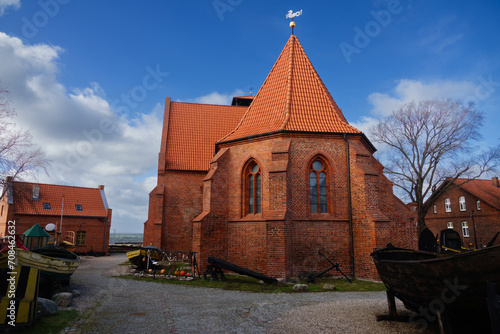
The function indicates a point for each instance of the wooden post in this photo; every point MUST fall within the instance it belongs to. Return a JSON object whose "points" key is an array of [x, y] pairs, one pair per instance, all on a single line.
{"points": [[391, 301]]}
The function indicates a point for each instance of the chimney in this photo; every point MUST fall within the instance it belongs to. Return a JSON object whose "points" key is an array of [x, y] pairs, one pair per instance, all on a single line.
{"points": [[101, 187], [35, 195], [495, 181]]}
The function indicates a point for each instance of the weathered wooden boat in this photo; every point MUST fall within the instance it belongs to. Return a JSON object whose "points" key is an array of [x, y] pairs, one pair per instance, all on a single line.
{"points": [[56, 264], [144, 256], [453, 285]]}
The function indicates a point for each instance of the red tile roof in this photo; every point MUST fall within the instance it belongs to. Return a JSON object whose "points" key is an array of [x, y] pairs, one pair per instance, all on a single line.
{"points": [[90, 200], [485, 190], [293, 97], [193, 130]]}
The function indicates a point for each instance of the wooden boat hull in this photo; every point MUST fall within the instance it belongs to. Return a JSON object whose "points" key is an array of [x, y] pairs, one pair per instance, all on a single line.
{"points": [[136, 257], [455, 282], [51, 268]]}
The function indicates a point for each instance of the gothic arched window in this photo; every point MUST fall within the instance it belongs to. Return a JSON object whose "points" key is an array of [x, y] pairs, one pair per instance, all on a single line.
{"points": [[253, 188], [318, 186]]}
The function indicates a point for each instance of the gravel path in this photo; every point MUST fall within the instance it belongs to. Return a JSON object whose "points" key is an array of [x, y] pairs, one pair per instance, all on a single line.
{"points": [[112, 305]]}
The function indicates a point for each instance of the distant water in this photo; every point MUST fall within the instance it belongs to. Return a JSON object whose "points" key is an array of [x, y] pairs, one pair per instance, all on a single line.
{"points": [[125, 238]]}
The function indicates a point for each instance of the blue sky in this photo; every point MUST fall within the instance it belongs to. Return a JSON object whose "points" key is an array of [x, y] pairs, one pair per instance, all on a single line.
{"points": [[89, 78]]}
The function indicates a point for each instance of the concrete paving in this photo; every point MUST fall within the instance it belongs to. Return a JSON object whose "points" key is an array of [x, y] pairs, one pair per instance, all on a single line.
{"points": [[113, 305]]}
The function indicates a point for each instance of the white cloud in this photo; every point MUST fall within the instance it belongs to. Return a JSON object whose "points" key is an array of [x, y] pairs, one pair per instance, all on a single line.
{"points": [[4, 4], [440, 36], [150, 182], [217, 98], [407, 90], [87, 142]]}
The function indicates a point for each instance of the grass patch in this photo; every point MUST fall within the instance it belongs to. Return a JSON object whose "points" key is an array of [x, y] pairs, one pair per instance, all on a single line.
{"points": [[244, 283], [127, 263], [357, 285], [53, 324]]}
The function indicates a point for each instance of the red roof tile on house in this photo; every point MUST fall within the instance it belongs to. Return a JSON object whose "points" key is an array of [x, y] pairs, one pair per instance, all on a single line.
{"points": [[293, 97], [89, 199], [486, 190], [193, 130]]}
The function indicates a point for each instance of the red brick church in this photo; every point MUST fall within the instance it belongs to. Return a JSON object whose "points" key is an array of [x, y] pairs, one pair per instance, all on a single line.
{"points": [[271, 180]]}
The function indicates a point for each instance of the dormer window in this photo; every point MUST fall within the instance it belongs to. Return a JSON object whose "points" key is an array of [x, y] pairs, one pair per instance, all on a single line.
{"points": [[78, 207], [46, 206], [478, 205], [35, 193]]}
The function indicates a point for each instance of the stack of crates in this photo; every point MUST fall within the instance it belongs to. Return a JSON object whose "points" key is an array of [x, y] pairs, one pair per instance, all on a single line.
{"points": [[19, 293]]}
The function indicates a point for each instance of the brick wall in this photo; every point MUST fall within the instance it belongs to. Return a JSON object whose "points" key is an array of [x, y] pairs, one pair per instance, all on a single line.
{"points": [[210, 227], [153, 226], [486, 220], [6, 215], [285, 238], [173, 205], [331, 238], [95, 229], [205, 212]]}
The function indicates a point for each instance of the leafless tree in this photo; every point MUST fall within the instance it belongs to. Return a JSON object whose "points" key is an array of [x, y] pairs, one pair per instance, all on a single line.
{"points": [[430, 142], [18, 155]]}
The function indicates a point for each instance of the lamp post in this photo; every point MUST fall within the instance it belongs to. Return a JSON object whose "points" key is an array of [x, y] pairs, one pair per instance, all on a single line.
{"points": [[60, 225], [474, 228]]}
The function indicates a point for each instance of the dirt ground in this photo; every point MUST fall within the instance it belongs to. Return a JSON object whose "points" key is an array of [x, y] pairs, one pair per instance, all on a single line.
{"points": [[113, 305]]}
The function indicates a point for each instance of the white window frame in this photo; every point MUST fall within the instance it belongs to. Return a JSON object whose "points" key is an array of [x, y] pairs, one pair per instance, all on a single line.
{"points": [[449, 225], [478, 205], [435, 208], [465, 229], [461, 203], [447, 205]]}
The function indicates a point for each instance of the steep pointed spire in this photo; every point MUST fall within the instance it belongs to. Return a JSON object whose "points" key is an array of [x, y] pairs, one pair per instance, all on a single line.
{"points": [[293, 97]]}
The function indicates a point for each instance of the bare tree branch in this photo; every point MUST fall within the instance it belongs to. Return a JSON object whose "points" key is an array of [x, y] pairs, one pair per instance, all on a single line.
{"points": [[18, 155], [431, 142]]}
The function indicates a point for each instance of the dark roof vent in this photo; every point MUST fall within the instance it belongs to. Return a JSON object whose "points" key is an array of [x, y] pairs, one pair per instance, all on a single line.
{"points": [[243, 101]]}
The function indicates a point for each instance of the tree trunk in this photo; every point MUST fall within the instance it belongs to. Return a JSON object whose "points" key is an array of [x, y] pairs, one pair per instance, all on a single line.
{"points": [[420, 223]]}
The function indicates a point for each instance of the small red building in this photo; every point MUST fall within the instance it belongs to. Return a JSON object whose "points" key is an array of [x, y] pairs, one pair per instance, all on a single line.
{"points": [[271, 180], [83, 212], [471, 208]]}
